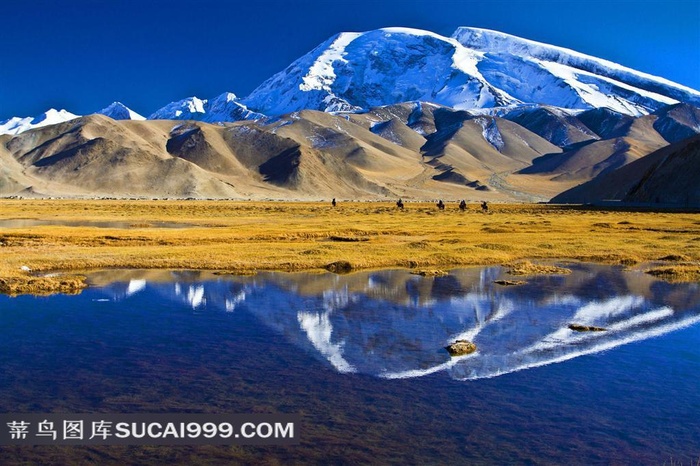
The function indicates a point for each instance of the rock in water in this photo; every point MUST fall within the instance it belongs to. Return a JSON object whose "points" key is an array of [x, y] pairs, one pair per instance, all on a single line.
{"points": [[510, 282], [339, 267], [460, 348], [430, 273], [586, 328]]}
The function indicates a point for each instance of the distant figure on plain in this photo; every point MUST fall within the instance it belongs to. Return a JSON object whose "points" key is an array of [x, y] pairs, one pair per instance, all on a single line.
{"points": [[441, 205], [333, 203], [399, 204], [485, 207], [463, 205]]}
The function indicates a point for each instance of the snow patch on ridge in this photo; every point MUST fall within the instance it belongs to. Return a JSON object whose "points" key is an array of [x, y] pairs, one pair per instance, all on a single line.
{"points": [[588, 86], [490, 131]]}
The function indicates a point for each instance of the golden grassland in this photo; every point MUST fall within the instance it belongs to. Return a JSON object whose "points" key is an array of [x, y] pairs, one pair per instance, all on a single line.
{"points": [[242, 237]]}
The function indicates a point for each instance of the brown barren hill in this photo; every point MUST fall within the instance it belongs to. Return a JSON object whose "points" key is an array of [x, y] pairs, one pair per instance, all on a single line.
{"points": [[667, 176], [412, 150]]}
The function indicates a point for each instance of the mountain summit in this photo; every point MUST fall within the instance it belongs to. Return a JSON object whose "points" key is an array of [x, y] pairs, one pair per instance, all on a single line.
{"points": [[352, 71], [119, 111], [475, 68]]}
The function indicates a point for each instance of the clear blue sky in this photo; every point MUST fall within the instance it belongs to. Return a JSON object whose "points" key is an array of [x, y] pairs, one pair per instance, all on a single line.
{"points": [[83, 54]]}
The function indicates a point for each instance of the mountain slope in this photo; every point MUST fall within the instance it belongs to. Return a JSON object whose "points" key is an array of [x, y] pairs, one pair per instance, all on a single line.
{"points": [[677, 122], [668, 176], [96, 155], [588, 159], [627, 90], [411, 150], [304, 155], [606, 123], [553, 124]]}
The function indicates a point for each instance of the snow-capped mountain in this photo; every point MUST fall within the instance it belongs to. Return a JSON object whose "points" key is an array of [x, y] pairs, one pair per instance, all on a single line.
{"points": [[190, 108], [225, 107], [17, 125], [476, 68], [119, 111], [354, 71]]}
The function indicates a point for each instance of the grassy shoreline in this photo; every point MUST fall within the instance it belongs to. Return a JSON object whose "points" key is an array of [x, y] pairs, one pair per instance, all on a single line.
{"points": [[242, 237]]}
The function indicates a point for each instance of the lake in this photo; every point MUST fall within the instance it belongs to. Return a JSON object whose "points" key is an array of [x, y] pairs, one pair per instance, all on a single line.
{"points": [[361, 358]]}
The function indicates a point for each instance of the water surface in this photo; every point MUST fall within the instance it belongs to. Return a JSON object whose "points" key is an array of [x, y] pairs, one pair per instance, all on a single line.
{"points": [[361, 357], [32, 222]]}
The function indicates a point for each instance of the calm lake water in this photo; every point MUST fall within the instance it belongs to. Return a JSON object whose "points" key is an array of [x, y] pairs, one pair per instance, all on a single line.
{"points": [[360, 357], [31, 222]]}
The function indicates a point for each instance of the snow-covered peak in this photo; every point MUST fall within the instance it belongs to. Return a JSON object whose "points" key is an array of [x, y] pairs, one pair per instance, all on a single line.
{"points": [[226, 107], [353, 71], [119, 111], [228, 97], [223, 108], [17, 125], [185, 109], [52, 117], [475, 68]]}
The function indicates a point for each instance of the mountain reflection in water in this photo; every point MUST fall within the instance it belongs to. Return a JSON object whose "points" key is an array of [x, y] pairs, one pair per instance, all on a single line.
{"points": [[393, 324]]}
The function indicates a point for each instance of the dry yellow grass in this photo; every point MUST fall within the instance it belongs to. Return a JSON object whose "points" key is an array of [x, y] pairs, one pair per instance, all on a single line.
{"points": [[67, 284], [249, 236], [677, 273], [528, 268]]}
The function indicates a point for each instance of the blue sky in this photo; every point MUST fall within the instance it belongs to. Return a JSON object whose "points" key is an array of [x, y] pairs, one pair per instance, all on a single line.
{"points": [[83, 54]]}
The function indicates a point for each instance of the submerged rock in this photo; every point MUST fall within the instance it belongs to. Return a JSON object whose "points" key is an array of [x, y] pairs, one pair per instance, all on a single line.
{"points": [[675, 258], [430, 273], [586, 328], [676, 273], [339, 267], [510, 282], [460, 348]]}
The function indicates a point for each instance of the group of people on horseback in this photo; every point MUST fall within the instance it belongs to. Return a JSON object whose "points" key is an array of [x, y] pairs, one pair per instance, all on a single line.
{"points": [[462, 205], [440, 205]]}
